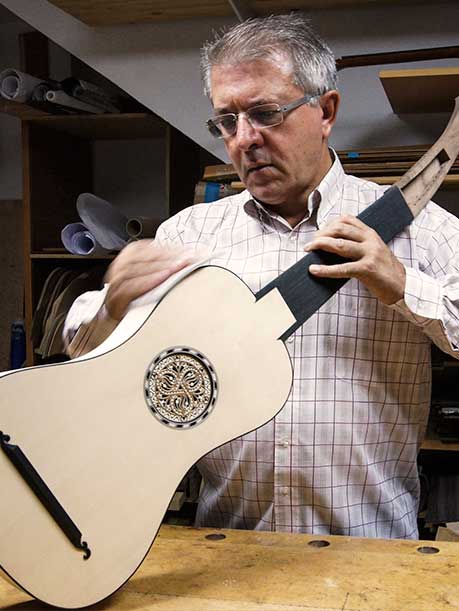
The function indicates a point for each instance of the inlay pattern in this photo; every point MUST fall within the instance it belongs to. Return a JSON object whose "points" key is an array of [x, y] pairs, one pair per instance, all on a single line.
{"points": [[180, 387]]}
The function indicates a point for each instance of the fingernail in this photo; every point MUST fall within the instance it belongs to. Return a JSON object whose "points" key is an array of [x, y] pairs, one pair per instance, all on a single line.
{"points": [[314, 269]]}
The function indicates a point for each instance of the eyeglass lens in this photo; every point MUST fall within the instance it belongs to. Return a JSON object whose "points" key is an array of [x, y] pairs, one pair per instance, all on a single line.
{"points": [[265, 115]]}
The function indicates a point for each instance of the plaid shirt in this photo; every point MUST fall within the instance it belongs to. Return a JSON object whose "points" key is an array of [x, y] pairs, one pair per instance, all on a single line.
{"points": [[340, 457]]}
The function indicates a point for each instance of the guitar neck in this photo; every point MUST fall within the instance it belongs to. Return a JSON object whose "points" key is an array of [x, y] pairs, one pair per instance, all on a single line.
{"points": [[303, 293]]}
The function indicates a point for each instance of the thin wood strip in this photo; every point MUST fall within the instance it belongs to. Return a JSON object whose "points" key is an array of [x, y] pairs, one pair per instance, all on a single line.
{"points": [[450, 181]]}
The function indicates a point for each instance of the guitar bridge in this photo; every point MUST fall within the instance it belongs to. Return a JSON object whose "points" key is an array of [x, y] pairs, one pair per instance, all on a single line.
{"points": [[38, 486]]}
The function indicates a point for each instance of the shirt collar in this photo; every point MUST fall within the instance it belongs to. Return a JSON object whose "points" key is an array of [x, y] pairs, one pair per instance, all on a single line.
{"points": [[325, 197], [331, 189]]}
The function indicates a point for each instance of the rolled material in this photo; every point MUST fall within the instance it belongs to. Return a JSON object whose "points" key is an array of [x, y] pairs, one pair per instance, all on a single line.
{"points": [[17, 86], [91, 94], [58, 97], [140, 227], [78, 240], [63, 99], [105, 222]]}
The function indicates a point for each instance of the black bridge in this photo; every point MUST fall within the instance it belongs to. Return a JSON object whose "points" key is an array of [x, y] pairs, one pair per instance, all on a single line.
{"points": [[32, 478]]}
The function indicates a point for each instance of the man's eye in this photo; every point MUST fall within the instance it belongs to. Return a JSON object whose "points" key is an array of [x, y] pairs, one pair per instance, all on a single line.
{"points": [[227, 122], [265, 116]]}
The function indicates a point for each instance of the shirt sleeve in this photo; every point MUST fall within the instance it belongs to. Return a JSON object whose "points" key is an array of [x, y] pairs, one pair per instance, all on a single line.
{"points": [[88, 323], [431, 299]]}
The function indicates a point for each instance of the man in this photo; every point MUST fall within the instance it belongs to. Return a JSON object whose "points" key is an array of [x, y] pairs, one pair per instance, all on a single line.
{"points": [[340, 457]]}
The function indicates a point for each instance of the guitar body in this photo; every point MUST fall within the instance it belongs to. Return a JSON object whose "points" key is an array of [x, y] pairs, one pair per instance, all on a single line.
{"points": [[112, 459]]}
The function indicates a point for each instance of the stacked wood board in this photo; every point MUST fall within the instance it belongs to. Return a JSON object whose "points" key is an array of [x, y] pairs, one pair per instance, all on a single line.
{"points": [[380, 165]]}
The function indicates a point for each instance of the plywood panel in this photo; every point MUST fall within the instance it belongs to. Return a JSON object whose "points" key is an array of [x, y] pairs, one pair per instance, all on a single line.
{"points": [[110, 12], [104, 12], [424, 90]]}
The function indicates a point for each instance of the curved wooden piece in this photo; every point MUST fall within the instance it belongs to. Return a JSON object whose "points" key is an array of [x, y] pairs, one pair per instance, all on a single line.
{"points": [[424, 178]]}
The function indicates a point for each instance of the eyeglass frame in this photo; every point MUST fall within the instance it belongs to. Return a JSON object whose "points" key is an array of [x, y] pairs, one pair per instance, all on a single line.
{"points": [[306, 99]]}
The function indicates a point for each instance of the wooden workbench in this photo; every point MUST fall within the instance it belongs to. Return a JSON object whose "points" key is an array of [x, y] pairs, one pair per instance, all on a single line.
{"points": [[253, 571]]}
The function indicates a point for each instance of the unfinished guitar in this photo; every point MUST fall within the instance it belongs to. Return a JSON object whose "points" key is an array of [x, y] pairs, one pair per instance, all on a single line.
{"points": [[92, 450]]}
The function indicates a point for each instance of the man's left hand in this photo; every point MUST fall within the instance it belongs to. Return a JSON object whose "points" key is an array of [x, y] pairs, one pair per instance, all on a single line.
{"points": [[371, 260]]}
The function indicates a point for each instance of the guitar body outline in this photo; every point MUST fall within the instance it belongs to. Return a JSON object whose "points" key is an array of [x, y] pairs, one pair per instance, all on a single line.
{"points": [[125, 522]]}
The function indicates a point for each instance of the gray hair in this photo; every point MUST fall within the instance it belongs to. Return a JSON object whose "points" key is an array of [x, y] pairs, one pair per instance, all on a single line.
{"points": [[312, 61]]}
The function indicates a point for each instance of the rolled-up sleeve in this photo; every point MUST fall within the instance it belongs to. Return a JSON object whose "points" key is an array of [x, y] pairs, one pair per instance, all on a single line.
{"points": [[87, 324], [431, 299]]}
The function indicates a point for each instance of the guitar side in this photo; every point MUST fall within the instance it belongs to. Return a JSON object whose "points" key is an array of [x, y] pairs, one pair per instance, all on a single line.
{"points": [[112, 464]]}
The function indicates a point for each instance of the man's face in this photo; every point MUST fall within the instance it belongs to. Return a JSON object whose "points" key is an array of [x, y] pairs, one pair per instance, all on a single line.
{"points": [[279, 165]]}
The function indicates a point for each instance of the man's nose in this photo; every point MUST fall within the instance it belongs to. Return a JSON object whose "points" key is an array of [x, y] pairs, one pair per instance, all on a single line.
{"points": [[246, 135]]}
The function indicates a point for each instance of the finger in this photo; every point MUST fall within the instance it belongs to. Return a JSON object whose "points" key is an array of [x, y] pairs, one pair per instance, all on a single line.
{"points": [[339, 229], [345, 248], [342, 270], [146, 276]]}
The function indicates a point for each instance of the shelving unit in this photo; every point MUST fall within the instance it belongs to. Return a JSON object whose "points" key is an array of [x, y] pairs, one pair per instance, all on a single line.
{"points": [[58, 166], [59, 163]]}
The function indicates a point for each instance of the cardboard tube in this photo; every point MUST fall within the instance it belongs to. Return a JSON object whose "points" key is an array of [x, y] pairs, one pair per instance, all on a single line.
{"points": [[140, 227]]}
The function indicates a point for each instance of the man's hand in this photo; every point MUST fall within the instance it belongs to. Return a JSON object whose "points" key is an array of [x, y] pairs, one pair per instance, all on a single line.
{"points": [[371, 260], [140, 267]]}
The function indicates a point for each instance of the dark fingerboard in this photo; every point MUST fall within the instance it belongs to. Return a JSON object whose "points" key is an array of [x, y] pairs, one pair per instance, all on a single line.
{"points": [[304, 293]]}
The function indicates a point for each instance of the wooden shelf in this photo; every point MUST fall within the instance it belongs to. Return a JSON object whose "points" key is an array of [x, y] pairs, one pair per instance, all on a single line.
{"points": [[112, 12], [105, 127], [19, 110], [426, 90], [66, 256], [433, 442], [450, 182]]}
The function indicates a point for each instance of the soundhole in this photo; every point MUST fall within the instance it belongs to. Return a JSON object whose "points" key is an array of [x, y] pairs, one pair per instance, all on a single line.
{"points": [[180, 387]]}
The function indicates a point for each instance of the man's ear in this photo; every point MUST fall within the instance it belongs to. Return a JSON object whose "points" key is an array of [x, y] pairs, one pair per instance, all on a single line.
{"points": [[329, 102]]}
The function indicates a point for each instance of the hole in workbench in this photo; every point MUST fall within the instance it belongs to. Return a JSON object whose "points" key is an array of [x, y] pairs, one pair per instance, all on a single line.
{"points": [[427, 549], [215, 537], [318, 543]]}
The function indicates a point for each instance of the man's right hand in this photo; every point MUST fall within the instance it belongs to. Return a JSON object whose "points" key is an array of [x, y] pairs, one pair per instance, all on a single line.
{"points": [[140, 267]]}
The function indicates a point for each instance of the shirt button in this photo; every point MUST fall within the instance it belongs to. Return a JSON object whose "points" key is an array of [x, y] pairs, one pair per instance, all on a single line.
{"points": [[284, 491], [290, 339], [293, 237], [284, 443]]}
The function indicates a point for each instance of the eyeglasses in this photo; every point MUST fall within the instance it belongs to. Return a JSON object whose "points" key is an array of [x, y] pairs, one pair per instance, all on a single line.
{"points": [[259, 117]]}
